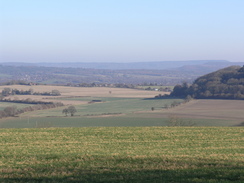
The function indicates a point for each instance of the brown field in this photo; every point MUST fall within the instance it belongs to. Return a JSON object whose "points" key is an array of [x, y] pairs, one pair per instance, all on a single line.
{"points": [[89, 91], [206, 109], [81, 92]]}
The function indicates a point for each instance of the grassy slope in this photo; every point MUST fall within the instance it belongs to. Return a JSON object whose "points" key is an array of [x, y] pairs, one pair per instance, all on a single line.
{"points": [[155, 154]]}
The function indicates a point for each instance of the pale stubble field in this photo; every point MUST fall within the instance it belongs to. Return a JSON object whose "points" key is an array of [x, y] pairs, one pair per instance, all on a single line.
{"points": [[71, 92]]}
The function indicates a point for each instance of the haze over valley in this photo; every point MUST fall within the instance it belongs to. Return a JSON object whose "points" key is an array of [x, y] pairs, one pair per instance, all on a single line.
{"points": [[161, 73]]}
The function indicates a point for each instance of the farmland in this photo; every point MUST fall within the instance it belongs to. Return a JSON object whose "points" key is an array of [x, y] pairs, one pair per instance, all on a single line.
{"points": [[118, 154], [122, 139], [120, 107]]}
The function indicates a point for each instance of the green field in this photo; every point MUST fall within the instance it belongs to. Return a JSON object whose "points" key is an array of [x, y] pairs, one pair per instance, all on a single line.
{"points": [[109, 112], [122, 154], [128, 112], [18, 105], [120, 121], [120, 105]]}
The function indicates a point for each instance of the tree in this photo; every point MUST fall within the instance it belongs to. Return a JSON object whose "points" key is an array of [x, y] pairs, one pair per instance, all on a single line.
{"points": [[174, 104], [31, 91], [178, 91], [65, 111], [10, 111], [6, 91], [55, 93], [188, 98], [72, 110]]}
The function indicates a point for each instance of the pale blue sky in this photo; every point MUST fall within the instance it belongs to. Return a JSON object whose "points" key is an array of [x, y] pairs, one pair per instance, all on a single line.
{"points": [[121, 30]]}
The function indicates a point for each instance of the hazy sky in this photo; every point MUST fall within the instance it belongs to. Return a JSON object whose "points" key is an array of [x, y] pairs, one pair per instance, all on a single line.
{"points": [[121, 30]]}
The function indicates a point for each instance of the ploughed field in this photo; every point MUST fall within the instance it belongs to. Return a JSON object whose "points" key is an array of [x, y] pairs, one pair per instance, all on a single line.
{"points": [[101, 106], [122, 154]]}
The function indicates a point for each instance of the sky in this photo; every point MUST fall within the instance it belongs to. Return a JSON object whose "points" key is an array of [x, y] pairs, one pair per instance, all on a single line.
{"points": [[121, 30]]}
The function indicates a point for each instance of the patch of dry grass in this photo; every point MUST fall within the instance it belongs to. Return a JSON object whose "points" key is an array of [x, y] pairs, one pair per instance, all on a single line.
{"points": [[207, 109], [71, 92], [90, 91]]}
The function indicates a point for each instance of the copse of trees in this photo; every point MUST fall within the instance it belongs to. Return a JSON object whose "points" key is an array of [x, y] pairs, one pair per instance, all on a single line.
{"points": [[15, 82], [227, 83], [70, 110]]}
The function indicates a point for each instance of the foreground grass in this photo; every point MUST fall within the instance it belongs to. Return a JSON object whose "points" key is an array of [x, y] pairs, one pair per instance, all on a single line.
{"points": [[122, 154]]}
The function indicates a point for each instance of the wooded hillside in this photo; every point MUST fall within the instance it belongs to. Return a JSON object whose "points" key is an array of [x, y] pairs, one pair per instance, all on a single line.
{"points": [[227, 83]]}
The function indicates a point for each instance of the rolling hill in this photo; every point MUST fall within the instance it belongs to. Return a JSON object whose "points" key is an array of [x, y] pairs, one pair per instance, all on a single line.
{"points": [[227, 83]]}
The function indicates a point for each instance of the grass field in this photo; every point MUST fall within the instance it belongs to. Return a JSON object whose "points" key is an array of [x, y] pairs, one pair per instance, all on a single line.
{"points": [[110, 112], [148, 154], [3, 105], [106, 121]]}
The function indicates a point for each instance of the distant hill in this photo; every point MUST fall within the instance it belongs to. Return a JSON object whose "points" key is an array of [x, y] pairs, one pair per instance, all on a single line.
{"points": [[135, 65], [208, 67], [161, 65], [166, 73], [227, 83]]}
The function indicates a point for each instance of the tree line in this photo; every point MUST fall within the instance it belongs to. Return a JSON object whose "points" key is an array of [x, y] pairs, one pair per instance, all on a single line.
{"points": [[9, 91], [12, 111], [24, 101]]}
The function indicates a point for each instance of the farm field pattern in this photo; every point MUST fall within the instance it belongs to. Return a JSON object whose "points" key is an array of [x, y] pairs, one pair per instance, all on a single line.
{"points": [[122, 139], [121, 107]]}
